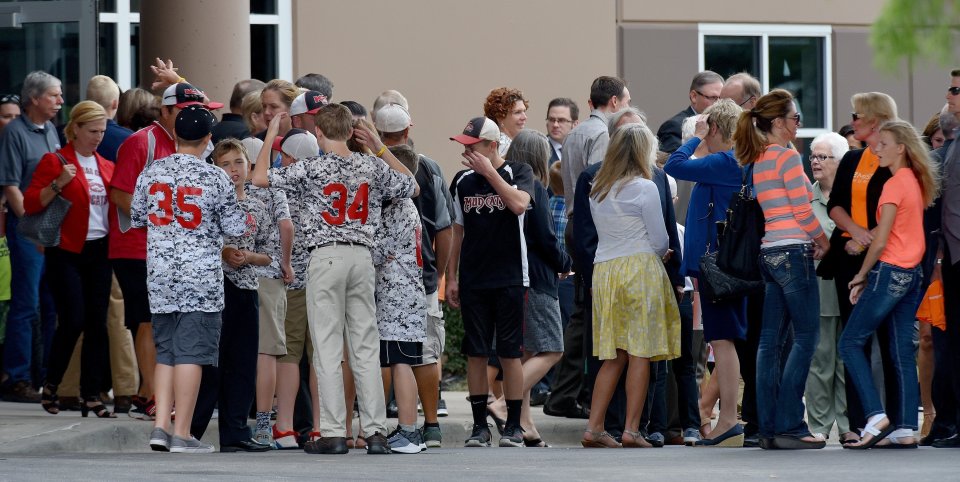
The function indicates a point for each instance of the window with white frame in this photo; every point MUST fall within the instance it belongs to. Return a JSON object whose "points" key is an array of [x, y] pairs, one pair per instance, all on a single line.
{"points": [[792, 57], [271, 40]]}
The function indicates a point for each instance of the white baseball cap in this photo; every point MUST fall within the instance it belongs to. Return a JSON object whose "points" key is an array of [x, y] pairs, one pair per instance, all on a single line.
{"points": [[392, 118]]}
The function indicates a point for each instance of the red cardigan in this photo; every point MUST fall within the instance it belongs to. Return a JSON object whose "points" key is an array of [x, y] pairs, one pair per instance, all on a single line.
{"points": [[73, 232]]}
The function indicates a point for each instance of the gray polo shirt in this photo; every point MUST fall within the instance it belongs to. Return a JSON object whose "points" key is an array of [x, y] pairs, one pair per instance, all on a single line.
{"points": [[22, 144], [950, 202], [586, 144]]}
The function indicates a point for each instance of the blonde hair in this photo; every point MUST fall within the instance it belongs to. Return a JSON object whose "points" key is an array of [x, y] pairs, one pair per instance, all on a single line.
{"points": [[750, 136], [103, 90], [874, 106], [724, 114], [287, 90], [83, 112], [229, 145], [917, 157], [335, 122], [631, 154], [249, 106]]}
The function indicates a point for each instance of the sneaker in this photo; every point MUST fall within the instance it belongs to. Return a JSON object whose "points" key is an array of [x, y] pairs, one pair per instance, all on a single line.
{"points": [[512, 436], [285, 440], [265, 437], [143, 409], [691, 436], [442, 408], [432, 436], [159, 440], [189, 446], [480, 437], [377, 444], [406, 442], [656, 439]]}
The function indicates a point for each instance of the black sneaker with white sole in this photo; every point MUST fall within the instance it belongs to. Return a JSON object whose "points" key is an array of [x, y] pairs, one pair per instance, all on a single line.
{"points": [[480, 437], [512, 436]]}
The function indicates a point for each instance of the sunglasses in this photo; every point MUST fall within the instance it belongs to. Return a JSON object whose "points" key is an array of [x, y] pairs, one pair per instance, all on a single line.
{"points": [[10, 99], [855, 116], [954, 90]]}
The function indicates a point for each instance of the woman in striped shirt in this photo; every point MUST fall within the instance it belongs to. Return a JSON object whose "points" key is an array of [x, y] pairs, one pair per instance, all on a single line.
{"points": [[792, 298]]}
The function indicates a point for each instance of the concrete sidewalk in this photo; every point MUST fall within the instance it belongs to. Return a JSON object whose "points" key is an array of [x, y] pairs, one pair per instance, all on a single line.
{"points": [[27, 429]]}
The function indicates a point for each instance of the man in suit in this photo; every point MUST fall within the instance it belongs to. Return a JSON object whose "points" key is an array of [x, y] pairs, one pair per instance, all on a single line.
{"points": [[743, 89], [562, 116], [231, 124], [704, 91]]}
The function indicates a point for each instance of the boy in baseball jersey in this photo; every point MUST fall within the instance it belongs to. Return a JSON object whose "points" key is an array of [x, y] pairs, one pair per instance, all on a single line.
{"points": [[231, 384], [342, 192], [187, 207], [487, 277], [401, 307]]}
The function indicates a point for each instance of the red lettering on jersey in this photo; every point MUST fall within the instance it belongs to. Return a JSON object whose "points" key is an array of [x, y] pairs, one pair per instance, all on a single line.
{"points": [[339, 211], [165, 205]]}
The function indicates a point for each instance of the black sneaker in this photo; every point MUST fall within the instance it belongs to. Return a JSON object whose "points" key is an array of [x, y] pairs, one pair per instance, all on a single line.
{"points": [[377, 444], [480, 437], [326, 445], [512, 436]]}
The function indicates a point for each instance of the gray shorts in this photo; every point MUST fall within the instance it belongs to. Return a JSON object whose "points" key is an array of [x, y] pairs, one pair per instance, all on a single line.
{"points": [[187, 338], [542, 328], [436, 331]]}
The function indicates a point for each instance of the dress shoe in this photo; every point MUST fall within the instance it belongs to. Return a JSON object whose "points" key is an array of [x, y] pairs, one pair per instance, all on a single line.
{"points": [[730, 438], [21, 392], [951, 442], [248, 445], [377, 444], [326, 445], [574, 411]]}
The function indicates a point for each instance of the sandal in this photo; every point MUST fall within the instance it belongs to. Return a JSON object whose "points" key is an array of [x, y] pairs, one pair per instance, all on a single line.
{"points": [[876, 434], [638, 441], [895, 441], [361, 443], [534, 442], [98, 409], [49, 400], [599, 440], [848, 438]]}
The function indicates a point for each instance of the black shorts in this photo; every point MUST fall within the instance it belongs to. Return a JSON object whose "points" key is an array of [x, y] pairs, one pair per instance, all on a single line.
{"points": [[394, 352], [132, 278], [495, 313]]}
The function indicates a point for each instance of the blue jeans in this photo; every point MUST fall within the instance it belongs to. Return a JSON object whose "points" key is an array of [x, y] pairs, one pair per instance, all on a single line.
{"points": [[26, 265], [890, 297], [791, 302]]}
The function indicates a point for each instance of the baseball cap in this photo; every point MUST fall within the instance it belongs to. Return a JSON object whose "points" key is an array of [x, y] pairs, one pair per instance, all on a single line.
{"points": [[194, 122], [308, 102], [183, 94], [478, 129], [298, 144], [392, 118]]}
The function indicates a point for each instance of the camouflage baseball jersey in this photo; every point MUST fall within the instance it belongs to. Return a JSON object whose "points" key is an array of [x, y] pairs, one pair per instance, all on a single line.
{"points": [[401, 302], [275, 201], [187, 207], [300, 255], [340, 196], [255, 239]]}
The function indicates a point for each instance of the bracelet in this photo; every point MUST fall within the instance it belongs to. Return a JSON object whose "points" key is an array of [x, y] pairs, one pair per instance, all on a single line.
{"points": [[55, 187], [383, 149], [181, 80]]}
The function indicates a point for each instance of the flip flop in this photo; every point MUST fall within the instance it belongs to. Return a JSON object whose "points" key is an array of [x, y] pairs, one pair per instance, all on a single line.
{"points": [[876, 435], [535, 442]]}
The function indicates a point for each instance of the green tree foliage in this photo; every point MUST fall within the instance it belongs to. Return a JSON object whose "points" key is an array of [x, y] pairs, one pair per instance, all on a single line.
{"points": [[915, 29]]}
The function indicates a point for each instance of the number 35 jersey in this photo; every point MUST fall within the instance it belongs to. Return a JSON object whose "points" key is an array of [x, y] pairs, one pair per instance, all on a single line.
{"points": [[187, 206], [341, 196]]}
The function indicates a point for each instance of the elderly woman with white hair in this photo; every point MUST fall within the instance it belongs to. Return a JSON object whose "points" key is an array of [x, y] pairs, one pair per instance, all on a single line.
{"points": [[825, 396]]}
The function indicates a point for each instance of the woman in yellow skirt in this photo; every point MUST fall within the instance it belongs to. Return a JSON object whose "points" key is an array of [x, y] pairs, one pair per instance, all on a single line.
{"points": [[635, 314]]}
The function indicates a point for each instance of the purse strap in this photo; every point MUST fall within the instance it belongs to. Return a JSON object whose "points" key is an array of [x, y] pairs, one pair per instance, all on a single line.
{"points": [[746, 181]]}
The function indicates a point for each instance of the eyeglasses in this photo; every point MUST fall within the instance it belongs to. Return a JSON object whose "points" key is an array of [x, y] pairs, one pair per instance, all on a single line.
{"points": [[856, 116], [558, 120], [711, 98], [954, 90], [744, 102], [820, 158], [10, 99]]}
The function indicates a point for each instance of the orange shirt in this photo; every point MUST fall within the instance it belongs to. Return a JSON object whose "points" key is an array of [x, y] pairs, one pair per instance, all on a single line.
{"points": [[906, 243], [858, 190]]}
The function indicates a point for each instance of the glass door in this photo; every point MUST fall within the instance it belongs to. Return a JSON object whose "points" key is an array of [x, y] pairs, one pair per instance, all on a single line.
{"points": [[58, 37]]}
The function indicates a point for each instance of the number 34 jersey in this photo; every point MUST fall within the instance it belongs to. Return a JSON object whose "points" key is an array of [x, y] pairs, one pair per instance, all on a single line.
{"points": [[341, 196], [187, 207]]}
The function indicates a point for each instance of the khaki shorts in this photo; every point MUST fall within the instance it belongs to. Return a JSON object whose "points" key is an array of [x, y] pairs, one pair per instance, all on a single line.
{"points": [[273, 314], [436, 331], [295, 328]]}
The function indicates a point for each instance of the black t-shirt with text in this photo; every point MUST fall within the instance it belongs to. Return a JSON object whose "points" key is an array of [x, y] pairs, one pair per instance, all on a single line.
{"points": [[494, 252]]}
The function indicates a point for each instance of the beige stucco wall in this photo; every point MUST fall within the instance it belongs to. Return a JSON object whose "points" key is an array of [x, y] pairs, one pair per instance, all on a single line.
{"points": [[834, 12], [446, 55]]}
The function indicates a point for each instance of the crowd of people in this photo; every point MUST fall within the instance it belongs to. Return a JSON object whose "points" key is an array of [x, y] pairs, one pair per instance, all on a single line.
{"points": [[288, 262]]}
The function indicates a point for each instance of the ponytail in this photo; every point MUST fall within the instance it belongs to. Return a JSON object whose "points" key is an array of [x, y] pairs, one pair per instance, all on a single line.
{"points": [[750, 138]]}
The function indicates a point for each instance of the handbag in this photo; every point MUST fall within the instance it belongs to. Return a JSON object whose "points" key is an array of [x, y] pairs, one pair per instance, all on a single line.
{"points": [[739, 251], [716, 285], [43, 228]]}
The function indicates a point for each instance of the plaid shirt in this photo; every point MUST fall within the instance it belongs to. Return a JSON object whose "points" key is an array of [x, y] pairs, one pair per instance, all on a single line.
{"points": [[559, 211]]}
